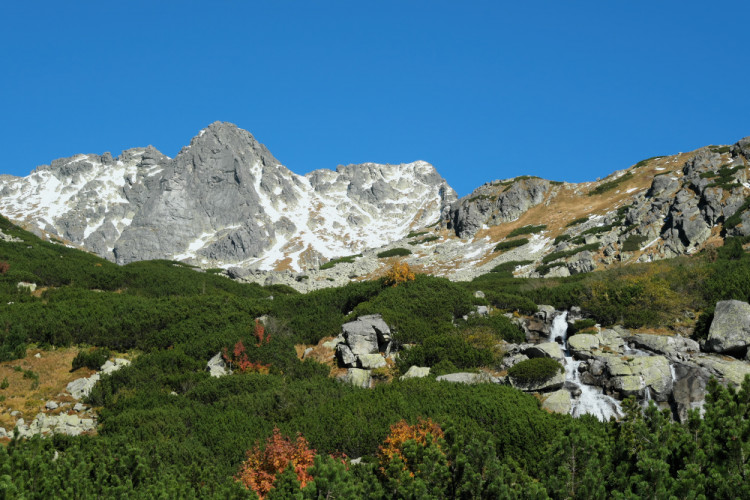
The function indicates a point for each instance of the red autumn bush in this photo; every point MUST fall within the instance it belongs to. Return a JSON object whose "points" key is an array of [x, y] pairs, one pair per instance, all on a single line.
{"points": [[262, 466]]}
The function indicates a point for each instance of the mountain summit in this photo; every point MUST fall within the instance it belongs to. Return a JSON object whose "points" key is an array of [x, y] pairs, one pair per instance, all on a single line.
{"points": [[223, 200]]}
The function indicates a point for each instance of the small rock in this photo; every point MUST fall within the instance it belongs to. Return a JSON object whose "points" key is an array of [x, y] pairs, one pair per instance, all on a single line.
{"points": [[15, 413], [79, 407], [51, 405], [38, 355], [467, 378], [217, 367], [416, 372], [479, 294]]}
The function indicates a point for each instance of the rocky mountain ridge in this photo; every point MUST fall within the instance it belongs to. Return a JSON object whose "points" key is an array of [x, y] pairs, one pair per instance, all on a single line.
{"points": [[223, 200]]}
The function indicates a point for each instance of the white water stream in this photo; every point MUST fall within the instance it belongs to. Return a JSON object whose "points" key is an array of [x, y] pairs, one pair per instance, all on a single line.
{"points": [[591, 400]]}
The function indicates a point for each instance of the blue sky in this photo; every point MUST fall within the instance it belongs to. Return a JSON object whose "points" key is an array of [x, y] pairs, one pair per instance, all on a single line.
{"points": [[482, 90]]}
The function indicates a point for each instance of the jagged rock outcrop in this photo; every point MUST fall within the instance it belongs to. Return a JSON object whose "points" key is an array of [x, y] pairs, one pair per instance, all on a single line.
{"points": [[495, 203], [223, 199]]}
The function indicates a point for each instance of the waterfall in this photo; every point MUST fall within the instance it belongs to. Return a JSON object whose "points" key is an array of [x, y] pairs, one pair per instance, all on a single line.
{"points": [[559, 328], [591, 400]]}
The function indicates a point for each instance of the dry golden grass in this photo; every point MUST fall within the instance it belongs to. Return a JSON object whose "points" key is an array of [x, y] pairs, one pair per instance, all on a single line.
{"points": [[53, 369]]}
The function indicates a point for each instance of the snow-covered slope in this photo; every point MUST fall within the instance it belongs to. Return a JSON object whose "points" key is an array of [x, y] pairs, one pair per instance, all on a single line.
{"points": [[223, 201]]}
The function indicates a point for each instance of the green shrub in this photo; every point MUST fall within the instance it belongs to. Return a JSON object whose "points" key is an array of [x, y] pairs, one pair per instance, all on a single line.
{"points": [[735, 219], [527, 230], [426, 239], [610, 185], [644, 162], [507, 301], [500, 326], [507, 245], [535, 370], [443, 367], [348, 259], [567, 253], [561, 238], [598, 229], [394, 252], [444, 347], [576, 222], [92, 358], [633, 243], [581, 324], [414, 234], [510, 266]]}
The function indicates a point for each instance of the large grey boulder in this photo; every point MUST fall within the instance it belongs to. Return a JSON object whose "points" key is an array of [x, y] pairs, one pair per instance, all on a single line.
{"points": [[367, 334], [730, 329], [724, 368], [673, 346], [81, 387]]}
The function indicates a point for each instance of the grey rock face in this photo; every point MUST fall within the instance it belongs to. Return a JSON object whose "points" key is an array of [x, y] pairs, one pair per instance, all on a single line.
{"points": [[493, 204], [345, 355], [689, 389], [730, 329], [224, 199]]}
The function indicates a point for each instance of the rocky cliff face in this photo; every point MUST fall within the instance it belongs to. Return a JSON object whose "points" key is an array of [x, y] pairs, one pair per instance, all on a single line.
{"points": [[223, 200]]}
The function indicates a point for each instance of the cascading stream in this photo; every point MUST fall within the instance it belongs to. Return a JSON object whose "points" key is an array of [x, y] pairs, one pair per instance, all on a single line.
{"points": [[591, 399]]}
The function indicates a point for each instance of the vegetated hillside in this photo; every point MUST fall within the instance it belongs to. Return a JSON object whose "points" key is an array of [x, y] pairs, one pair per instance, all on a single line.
{"points": [[169, 429]]}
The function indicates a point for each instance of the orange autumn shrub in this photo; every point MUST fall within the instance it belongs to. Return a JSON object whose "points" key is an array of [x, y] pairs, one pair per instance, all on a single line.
{"points": [[400, 272], [424, 432], [262, 466]]}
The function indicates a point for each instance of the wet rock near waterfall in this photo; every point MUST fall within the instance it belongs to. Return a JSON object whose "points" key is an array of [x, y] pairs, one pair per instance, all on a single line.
{"points": [[689, 389], [545, 350], [558, 402], [640, 375], [673, 347]]}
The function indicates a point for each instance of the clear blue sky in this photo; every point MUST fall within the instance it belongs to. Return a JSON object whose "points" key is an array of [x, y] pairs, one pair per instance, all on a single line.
{"points": [[567, 90]]}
